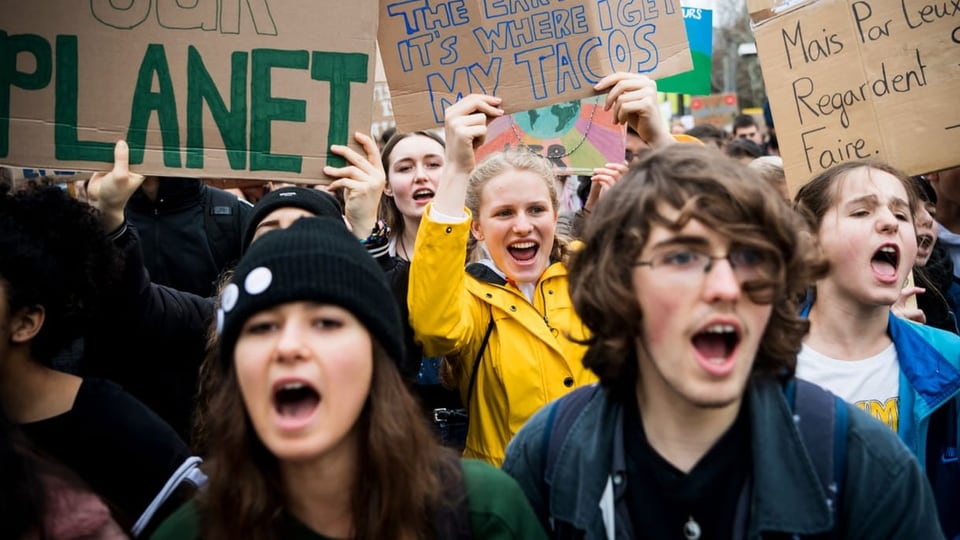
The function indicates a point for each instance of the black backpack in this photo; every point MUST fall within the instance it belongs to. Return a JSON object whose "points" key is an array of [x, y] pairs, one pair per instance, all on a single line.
{"points": [[223, 220], [821, 418]]}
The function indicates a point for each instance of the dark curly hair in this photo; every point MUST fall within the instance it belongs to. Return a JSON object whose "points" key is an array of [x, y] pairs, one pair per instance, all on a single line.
{"points": [[55, 255], [727, 198]]}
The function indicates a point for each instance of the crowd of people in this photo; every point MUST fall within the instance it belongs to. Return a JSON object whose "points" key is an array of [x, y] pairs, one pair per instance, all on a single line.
{"points": [[432, 346]]}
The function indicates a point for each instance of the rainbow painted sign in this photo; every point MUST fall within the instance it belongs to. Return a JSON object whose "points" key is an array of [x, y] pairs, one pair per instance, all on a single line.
{"points": [[576, 136]]}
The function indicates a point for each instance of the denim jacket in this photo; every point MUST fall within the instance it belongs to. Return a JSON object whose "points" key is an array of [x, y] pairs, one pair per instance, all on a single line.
{"points": [[885, 493]]}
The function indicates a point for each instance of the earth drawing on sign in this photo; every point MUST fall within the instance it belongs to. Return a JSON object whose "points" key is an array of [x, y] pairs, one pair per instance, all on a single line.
{"points": [[549, 122]]}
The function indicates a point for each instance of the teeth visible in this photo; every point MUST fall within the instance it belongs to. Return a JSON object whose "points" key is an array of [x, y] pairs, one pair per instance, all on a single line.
{"points": [[720, 329], [888, 249], [293, 386], [523, 245], [419, 192]]}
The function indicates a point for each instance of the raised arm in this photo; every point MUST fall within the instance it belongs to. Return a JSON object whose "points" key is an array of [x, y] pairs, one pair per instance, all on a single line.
{"points": [[443, 315]]}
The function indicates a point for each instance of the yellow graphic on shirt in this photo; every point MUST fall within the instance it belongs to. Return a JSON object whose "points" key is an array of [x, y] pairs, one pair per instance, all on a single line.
{"points": [[887, 412]]}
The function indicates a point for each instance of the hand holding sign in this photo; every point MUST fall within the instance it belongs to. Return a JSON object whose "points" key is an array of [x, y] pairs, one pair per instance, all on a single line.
{"points": [[109, 192], [602, 180], [362, 182], [465, 127], [906, 306], [633, 98]]}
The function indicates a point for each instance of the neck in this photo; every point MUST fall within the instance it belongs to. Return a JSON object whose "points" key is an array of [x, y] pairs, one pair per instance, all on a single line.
{"points": [[151, 187], [681, 432], [948, 215], [30, 391], [319, 492], [846, 330], [409, 237]]}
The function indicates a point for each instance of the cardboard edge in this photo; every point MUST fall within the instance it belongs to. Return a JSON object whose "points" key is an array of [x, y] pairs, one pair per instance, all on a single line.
{"points": [[762, 11]]}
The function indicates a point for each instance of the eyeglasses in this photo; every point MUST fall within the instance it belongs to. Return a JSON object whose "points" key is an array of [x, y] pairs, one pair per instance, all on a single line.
{"points": [[748, 263]]}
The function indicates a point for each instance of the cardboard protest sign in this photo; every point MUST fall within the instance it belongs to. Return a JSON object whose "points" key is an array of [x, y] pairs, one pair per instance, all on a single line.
{"points": [[231, 88], [851, 79], [576, 136], [699, 24], [531, 53], [716, 109]]}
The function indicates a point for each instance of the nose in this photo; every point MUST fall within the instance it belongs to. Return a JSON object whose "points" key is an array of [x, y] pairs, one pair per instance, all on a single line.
{"points": [[420, 173], [887, 222], [721, 283], [521, 224], [291, 343]]}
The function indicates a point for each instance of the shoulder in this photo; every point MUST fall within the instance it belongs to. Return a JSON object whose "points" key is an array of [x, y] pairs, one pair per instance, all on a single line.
{"points": [[184, 524], [118, 415], [887, 493], [911, 334], [497, 507]]}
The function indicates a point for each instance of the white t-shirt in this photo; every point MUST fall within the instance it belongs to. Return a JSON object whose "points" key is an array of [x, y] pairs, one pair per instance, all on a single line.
{"points": [[873, 384]]}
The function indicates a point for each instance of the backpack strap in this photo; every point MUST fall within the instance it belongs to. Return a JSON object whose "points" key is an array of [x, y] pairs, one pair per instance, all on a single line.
{"points": [[187, 474], [560, 419], [821, 419], [222, 222], [476, 363]]}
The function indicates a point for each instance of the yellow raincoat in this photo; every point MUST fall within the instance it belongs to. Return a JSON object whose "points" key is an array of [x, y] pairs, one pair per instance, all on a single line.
{"points": [[529, 359]]}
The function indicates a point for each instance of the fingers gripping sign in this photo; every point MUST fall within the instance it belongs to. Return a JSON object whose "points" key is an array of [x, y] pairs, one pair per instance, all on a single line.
{"points": [[602, 180], [465, 127], [633, 99], [362, 182], [906, 305], [110, 191]]}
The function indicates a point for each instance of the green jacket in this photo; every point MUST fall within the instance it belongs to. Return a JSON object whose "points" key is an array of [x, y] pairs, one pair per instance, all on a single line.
{"points": [[497, 509]]}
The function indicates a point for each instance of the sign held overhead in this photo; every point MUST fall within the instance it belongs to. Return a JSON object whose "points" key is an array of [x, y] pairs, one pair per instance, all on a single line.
{"points": [[223, 88], [854, 79], [531, 53]]}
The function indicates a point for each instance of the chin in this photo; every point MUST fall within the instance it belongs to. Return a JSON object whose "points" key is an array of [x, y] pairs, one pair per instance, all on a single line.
{"points": [[717, 398]]}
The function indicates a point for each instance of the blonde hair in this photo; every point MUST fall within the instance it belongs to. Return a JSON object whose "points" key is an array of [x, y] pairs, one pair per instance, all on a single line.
{"points": [[516, 160]]}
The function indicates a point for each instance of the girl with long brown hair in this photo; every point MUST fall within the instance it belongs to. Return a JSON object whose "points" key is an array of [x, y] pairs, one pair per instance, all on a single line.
{"points": [[311, 432]]}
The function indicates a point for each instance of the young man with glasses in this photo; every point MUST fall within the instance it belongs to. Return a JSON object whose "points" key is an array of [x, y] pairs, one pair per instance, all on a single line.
{"points": [[688, 281]]}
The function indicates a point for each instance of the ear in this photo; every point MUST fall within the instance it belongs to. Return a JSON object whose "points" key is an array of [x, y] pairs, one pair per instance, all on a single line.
{"points": [[387, 190], [26, 324], [475, 230]]}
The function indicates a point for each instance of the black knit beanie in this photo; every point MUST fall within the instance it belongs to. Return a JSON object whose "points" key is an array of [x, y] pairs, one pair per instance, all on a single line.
{"points": [[318, 260], [319, 203]]}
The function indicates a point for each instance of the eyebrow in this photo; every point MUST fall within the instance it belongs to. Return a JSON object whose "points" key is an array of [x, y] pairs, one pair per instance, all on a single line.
{"points": [[425, 156], [682, 240], [874, 201], [268, 223]]}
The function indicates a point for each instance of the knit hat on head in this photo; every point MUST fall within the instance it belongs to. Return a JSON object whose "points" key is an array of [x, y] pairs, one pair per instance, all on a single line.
{"points": [[317, 260], [319, 203]]}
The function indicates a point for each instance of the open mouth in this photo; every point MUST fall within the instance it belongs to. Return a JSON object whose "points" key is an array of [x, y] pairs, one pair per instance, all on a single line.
{"points": [[716, 342], [925, 241], [523, 251], [295, 400], [885, 261], [422, 194]]}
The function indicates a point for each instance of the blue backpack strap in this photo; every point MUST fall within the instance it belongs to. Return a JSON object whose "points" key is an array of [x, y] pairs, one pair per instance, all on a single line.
{"points": [[560, 418], [822, 419]]}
